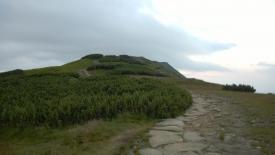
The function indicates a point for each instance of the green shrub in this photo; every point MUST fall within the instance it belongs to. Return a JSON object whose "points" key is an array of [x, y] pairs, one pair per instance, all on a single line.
{"points": [[115, 66], [58, 99], [93, 56], [101, 66], [240, 87], [13, 72], [130, 60], [139, 72], [123, 59]]}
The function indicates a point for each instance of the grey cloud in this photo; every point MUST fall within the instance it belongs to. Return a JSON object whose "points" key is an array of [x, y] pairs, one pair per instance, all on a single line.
{"points": [[199, 66], [41, 33], [267, 65]]}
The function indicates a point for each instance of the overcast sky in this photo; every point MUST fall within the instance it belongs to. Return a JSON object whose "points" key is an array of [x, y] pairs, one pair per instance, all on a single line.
{"points": [[220, 41]]}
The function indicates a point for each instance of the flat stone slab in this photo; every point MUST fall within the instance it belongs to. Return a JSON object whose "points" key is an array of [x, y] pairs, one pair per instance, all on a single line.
{"points": [[160, 132], [187, 153], [159, 140], [212, 153], [150, 151], [168, 128], [171, 122], [180, 118], [185, 147], [192, 136]]}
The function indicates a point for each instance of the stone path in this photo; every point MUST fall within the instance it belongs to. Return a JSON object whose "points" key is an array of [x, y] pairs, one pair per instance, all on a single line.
{"points": [[208, 128]]}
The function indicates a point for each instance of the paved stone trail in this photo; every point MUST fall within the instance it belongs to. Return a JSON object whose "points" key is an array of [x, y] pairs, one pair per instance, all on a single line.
{"points": [[209, 127]]}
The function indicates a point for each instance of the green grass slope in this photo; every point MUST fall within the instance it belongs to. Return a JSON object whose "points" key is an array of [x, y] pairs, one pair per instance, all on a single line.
{"points": [[72, 67]]}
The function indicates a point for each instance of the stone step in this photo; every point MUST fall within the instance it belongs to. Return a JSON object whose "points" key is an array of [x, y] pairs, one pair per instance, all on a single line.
{"points": [[171, 122], [159, 140], [150, 151], [168, 128], [185, 147]]}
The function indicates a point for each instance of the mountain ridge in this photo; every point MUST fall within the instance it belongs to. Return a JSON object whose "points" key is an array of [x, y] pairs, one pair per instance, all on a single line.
{"points": [[96, 64]]}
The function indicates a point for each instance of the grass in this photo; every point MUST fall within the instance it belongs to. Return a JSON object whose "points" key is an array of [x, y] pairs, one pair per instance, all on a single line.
{"points": [[95, 137], [67, 68], [260, 112], [221, 135]]}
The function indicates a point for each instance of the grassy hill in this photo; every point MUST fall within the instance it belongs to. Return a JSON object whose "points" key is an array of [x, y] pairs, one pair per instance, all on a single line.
{"points": [[97, 64], [87, 104]]}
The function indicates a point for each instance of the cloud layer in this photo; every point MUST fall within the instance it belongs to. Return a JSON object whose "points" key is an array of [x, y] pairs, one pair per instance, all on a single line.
{"points": [[41, 33]]}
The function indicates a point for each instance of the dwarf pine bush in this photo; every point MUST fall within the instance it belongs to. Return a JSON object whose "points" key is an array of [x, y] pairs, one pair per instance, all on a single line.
{"points": [[60, 99], [240, 87]]}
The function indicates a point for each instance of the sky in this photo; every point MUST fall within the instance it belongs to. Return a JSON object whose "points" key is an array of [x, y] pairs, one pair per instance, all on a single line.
{"points": [[222, 41]]}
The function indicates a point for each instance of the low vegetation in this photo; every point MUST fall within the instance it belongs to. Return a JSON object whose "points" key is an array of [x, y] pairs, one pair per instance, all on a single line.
{"points": [[65, 99], [260, 113], [93, 56], [128, 65], [71, 67], [240, 87], [96, 137], [10, 73]]}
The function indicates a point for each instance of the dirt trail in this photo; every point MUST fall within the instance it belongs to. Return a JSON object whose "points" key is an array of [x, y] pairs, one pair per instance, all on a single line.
{"points": [[83, 73], [211, 126]]}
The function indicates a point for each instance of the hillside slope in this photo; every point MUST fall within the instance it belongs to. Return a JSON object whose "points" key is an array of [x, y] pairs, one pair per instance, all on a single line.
{"points": [[86, 106], [97, 64]]}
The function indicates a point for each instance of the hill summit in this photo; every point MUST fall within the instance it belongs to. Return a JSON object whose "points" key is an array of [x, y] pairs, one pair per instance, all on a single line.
{"points": [[98, 64]]}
